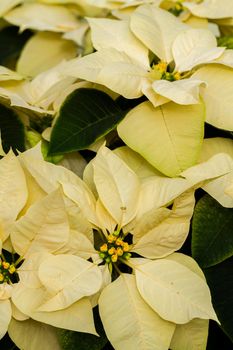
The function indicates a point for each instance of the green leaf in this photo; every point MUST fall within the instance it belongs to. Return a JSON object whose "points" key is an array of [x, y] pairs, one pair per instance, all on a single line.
{"points": [[12, 130], [220, 281], [70, 340], [169, 137], [226, 41], [212, 238], [85, 116], [11, 44], [51, 159]]}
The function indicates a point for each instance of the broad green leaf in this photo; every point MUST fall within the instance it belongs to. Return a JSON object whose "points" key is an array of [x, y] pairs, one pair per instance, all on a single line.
{"points": [[43, 51], [175, 292], [128, 321], [212, 239], [169, 137], [33, 335], [217, 95], [220, 281], [85, 116], [12, 130]]}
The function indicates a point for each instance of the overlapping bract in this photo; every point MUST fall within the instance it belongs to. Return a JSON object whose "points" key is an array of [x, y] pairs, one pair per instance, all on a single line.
{"points": [[52, 231], [60, 225]]}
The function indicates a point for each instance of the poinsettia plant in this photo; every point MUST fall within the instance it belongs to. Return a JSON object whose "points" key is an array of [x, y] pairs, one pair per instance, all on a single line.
{"points": [[116, 174]]}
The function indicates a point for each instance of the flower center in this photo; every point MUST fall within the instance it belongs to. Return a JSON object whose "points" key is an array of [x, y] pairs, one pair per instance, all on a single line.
{"points": [[7, 272], [114, 249], [177, 8], [160, 71]]}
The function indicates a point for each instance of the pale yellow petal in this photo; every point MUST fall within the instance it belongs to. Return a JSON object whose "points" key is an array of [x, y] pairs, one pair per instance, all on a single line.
{"points": [[117, 185], [8, 74], [184, 92], [211, 8], [17, 314], [106, 221], [43, 51], [50, 177], [137, 163], [44, 227], [75, 162], [5, 316], [33, 335], [67, 278], [161, 237], [226, 58], [42, 17], [125, 78], [116, 34], [7, 5], [191, 336], [217, 187], [217, 95], [13, 189], [35, 192], [193, 47], [174, 291], [157, 29], [134, 325], [178, 129], [196, 22], [77, 317]]}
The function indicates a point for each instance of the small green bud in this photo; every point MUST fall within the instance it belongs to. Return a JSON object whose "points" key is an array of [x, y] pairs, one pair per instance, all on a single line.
{"points": [[102, 255], [126, 256]]}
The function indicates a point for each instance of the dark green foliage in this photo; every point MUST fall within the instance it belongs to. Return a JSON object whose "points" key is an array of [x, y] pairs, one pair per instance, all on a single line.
{"points": [[11, 44], [212, 234], [12, 130], [220, 281], [85, 116], [226, 41]]}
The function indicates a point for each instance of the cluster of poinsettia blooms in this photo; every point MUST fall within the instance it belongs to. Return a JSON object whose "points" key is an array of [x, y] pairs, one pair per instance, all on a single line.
{"points": [[106, 232]]}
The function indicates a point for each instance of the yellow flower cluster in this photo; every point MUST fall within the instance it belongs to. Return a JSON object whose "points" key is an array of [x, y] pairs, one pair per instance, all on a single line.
{"points": [[6, 270], [177, 8], [159, 71], [114, 248]]}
